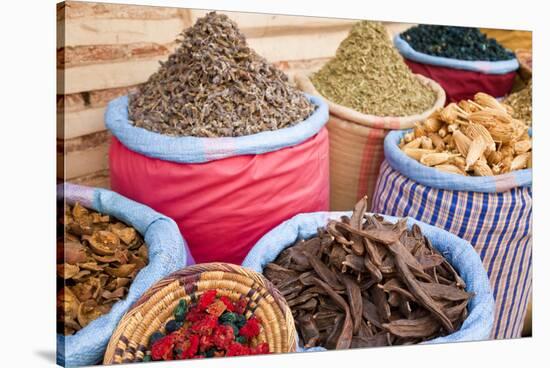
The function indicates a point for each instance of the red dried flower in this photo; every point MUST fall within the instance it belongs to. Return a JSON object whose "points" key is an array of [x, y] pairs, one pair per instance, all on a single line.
{"points": [[240, 306], [194, 315], [205, 326], [216, 308], [206, 299], [236, 349], [228, 303], [206, 342], [223, 336], [162, 349], [189, 347], [251, 328], [262, 348]]}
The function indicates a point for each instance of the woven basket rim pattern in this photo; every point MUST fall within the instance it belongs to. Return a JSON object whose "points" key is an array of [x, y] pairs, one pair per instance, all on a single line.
{"points": [[154, 308]]}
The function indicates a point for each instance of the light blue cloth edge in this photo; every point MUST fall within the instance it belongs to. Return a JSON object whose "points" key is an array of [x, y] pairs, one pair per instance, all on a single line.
{"points": [[435, 178], [457, 251], [167, 254], [197, 149]]}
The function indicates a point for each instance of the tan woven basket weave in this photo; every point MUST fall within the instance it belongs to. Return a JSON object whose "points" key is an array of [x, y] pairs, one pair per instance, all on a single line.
{"points": [[151, 312], [356, 142]]}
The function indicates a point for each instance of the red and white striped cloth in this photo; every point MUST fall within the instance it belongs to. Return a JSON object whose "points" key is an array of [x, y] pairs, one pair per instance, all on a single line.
{"points": [[498, 225]]}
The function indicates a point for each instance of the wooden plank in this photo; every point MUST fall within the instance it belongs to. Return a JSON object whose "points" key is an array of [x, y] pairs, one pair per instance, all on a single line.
{"points": [[72, 56], [262, 25], [298, 46], [80, 163], [79, 9], [93, 31], [100, 179], [396, 28], [78, 123], [105, 76]]}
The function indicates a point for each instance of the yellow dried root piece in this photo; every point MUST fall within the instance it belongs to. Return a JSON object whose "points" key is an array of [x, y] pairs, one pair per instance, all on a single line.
{"points": [[475, 151], [432, 159], [450, 168], [417, 153], [520, 162]]}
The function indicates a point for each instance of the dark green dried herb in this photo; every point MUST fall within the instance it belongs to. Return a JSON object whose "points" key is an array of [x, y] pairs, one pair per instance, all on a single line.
{"points": [[462, 43], [214, 85]]}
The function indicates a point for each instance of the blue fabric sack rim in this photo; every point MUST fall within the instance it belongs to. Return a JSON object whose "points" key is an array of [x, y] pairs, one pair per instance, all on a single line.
{"points": [[435, 178], [485, 67], [481, 308], [143, 219], [198, 149]]}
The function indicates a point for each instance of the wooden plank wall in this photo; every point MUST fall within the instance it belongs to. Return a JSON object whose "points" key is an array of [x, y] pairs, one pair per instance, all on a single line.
{"points": [[107, 49]]}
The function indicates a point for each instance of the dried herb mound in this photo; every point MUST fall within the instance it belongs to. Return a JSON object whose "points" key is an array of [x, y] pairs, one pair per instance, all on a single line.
{"points": [[213, 327], [97, 262], [214, 85], [480, 137], [364, 282], [522, 103], [461, 43], [369, 75]]}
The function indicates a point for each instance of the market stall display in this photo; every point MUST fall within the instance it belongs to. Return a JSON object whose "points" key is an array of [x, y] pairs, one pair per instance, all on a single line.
{"points": [[370, 91], [216, 308], [335, 307], [493, 213], [461, 59], [164, 249], [221, 157], [228, 168]]}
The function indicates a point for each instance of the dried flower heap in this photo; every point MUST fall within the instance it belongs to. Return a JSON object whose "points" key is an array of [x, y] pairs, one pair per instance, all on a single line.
{"points": [[213, 327]]}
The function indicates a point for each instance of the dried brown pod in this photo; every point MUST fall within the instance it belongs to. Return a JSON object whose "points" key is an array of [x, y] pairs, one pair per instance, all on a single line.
{"points": [[398, 290]]}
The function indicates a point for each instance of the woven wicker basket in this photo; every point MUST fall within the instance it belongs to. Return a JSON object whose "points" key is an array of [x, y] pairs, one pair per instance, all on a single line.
{"points": [[151, 312]]}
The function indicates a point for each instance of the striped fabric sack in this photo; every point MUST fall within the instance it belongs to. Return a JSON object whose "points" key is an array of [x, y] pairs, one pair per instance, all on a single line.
{"points": [[494, 214], [458, 252], [357, 144]]}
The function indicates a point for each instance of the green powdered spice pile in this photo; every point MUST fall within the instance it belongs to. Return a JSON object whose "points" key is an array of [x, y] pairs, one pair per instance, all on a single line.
{"points": [[522, 103], [369, 75]]}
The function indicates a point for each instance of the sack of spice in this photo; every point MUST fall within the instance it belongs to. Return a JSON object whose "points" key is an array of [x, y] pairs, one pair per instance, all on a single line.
{"points": [[218, 140], [370, 91], [371, 298], [166, 253], [492, 212], [462, 60]]}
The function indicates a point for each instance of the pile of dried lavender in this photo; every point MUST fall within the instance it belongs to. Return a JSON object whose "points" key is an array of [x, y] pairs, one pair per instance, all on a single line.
{"points": [[369, 75], [365, 282], [214, 85]]}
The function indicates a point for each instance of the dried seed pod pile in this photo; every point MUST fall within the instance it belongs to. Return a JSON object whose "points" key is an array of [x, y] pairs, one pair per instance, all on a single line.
{"points": [[96, 264], [522, 103], [369, 75], [214, 85], [479, 137], [365, 282]]}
